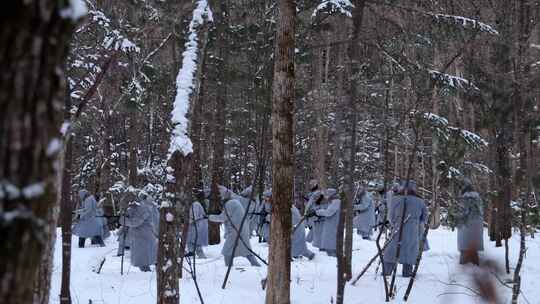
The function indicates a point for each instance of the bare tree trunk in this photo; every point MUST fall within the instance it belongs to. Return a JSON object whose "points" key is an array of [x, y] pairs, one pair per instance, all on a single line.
{"points": [[66, 221], [219, 7], [33, 48], [279, 269], [348, 124], [168, 266]]}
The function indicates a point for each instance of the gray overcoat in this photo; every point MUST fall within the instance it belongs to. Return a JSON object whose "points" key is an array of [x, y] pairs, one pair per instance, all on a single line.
{"points": [[298, 242], [330, 215], [104, 223], [88, 225], [154, 213], [232, 215], [198, 227], [310, 222], [364, 219], [470, 219], [143, 241], [415, 215]]}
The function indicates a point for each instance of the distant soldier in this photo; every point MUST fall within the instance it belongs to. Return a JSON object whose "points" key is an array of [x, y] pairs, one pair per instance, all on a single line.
{"points": [[313, 188], [298, 242], [364, 214], [198, 231], [245, 197], [148, 201], [331, 219], [231, 216], [265, 215], [316, 202], [143, 241], [409, 204], [88, 224], [470, 224]]}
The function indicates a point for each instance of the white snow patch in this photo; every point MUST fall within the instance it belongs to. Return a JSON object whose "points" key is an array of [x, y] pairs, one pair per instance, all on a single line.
{"points": [[76, 10]]}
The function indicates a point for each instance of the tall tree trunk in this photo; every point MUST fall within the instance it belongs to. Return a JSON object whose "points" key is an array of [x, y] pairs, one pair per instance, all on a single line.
{"points": [[349, 121], [66, 210], [33, 47], [219, 8], [168, 266], [279, 268]]}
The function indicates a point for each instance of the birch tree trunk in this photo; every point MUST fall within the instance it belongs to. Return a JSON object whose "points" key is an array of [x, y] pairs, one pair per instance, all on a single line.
{"points": [[279, 268], [33, 47]]}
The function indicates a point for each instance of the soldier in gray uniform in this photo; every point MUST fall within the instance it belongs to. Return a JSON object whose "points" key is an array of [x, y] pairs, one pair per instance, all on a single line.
{"points": [[231, 216], [470, 224], [198, 230], [143, 241], [331, 219], [415, 214], [298, 239], [88, 225], [364, 214]]}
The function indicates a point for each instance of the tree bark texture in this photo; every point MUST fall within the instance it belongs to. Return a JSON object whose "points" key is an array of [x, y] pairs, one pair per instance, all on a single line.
{"points": [[168, 266], [66, 222], [219, 8], [279, 269], [33, 48]]}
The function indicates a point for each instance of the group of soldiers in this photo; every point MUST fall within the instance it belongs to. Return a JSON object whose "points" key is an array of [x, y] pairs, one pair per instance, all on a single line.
{"points": [[399, 212]]}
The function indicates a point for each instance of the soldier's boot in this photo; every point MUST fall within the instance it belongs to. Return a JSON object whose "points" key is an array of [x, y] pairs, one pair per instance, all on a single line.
{"points": [[309, 254], [145, 268], [331, 253], [99, 240], [388, 268], [81, 242], [407, 270], [253, 260]]}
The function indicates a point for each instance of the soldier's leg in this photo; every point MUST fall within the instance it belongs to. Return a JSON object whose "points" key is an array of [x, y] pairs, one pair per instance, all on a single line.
{"points": [[99, 240], [331, 253], [81, 242], [200, 252], [145, 268], [228, 260], [309, 254], [252, 260], [388, 268], [407, 270]]}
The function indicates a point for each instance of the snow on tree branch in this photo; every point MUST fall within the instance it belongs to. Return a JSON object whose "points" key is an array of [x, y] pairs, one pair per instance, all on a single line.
{"points": [[444, 130], [75, 10], [113, 38], [466, 23], [180, 140], [453, 81], [341, 6]]}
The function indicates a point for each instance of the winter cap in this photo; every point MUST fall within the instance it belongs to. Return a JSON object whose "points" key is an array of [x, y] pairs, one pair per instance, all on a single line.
{"points": [[83, 193], [313, 184], [267, 193], [409, 186], [330, 193], [224, 193], [247, 192]]}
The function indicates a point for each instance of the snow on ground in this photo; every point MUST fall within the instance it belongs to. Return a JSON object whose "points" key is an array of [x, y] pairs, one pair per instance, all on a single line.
{"points": [[440, 279]]}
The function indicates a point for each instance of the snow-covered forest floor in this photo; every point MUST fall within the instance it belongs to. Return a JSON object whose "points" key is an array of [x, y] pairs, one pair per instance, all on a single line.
{"points": [[440, 280]]}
